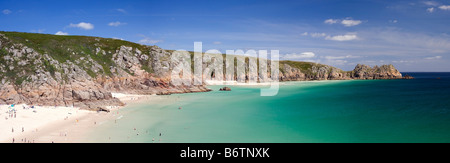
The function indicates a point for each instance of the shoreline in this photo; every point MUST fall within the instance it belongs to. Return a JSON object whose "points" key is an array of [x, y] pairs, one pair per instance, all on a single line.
{"points": [[47, 124]]}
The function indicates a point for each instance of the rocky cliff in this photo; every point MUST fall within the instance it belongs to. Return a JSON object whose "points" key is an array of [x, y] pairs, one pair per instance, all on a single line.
{"points": [[302, 71], [80, 71], [40, 69]]}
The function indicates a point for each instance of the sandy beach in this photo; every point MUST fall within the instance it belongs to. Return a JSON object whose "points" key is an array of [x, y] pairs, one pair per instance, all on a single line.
{"points": [[235, 83], [46, 124]]}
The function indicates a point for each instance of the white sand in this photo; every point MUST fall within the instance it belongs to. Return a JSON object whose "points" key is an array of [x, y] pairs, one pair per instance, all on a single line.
{"points": [[215, 82], [33, 120], [46, 124], [128, 97]]}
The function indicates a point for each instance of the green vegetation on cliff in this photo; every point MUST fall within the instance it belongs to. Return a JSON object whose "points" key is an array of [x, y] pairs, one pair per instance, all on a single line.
{"points": [[74, 49]]}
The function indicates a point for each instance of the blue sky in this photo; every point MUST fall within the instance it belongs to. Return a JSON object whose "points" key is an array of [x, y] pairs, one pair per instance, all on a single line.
{"points": [[414, 35]]}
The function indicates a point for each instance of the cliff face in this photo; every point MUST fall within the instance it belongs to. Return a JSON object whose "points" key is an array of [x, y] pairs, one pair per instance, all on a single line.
{"points": [[301, 71], [383, 72], [39, 69]]}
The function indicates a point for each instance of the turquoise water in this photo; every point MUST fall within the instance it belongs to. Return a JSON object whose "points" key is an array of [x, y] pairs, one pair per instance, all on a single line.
{"points": [[326, 111]]}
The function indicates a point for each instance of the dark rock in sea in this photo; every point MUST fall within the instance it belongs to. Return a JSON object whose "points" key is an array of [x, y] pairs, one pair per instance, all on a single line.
{"points": [[225, 89], [408, 77]]}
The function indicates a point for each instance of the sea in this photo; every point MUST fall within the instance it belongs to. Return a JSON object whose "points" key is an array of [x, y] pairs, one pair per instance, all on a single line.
{"points": [[351, 111]]}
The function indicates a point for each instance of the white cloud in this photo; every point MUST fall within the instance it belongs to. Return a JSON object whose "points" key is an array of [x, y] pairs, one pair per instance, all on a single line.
{"points": [[83, 25], [6, 11], [350, 22], [346, 37], [393, 21], [121, 10], [403, 61], [314, 35], [331, 21], [432, 58], [148, 40], [444, 7], [294, 56], [430, 10], [340, 57], [431, 3], [338, 62], [115, 24], [61, 33], [318, 35], [217, 42]]}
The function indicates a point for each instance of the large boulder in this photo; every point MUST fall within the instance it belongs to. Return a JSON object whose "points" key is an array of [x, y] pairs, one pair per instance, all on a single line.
{"points": [[81, 95]]}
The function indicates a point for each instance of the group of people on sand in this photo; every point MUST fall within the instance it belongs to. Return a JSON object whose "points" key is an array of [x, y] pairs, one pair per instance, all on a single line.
{"points": [[12, 112], [22, 140], [28, 107], [12, 129]]}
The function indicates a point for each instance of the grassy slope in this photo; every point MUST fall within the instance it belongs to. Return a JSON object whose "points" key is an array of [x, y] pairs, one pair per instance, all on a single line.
{"points": [[72, 48]]}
